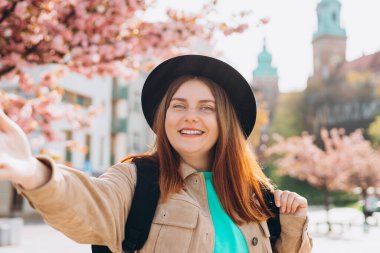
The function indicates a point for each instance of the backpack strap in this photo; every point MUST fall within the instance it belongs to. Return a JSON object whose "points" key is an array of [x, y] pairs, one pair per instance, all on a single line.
{"points": [[143, 207], [144, 204], [100, 249], [273, 223]]}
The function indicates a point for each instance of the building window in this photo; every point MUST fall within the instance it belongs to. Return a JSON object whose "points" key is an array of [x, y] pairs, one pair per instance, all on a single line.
{"points": [[136, 104], [113, 143], [83, 100], [74, 98], [136, 142], [88, 145], [68, 153]]}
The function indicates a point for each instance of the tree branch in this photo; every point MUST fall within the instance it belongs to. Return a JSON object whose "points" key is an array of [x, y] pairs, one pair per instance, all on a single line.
{"points": [[6, 69], [70, 15], [8, 12]]}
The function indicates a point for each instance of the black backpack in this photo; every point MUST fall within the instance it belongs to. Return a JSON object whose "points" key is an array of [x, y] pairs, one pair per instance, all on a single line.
{"points": [[144, 205]]}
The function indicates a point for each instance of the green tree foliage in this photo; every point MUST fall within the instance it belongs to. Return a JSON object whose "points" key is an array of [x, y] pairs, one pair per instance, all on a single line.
{"points": [[374, 131], [287, 120]]}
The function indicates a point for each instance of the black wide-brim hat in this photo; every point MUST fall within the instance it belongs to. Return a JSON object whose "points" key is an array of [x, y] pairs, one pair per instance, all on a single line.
{"points": [[234, 84]]}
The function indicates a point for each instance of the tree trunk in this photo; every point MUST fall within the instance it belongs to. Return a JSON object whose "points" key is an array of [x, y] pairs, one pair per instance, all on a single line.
{"points": [[364, 197], [326, 201], [365, 210]]}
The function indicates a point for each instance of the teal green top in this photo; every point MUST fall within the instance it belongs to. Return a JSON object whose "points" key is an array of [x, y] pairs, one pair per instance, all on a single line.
{"points": [[228, 237]]}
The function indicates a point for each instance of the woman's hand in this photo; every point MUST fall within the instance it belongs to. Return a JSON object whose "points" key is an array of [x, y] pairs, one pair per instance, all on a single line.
{"points": [[290, 203], [17, 163]]}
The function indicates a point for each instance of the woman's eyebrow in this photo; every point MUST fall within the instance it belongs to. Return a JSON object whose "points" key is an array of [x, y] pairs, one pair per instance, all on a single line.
{"points": [[180, 99], [207, 101], [200, 101]]}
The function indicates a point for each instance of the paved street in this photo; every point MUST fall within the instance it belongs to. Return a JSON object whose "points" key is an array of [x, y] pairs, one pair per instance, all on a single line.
{"points": [[39, 238]]}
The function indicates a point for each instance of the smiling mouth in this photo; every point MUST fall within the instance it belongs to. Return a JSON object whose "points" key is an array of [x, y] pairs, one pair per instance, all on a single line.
{"points": [[191, 132]]}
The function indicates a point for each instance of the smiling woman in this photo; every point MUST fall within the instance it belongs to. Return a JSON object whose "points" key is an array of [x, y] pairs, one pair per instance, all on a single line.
{"points": [[191, 125], [211, 189]]}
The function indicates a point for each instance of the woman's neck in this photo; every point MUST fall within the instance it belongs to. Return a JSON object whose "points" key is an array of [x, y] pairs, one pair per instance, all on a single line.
{"points": [[198, 163]]}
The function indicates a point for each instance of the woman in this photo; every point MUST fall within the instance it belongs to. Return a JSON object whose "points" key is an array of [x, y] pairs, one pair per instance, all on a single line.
{"points": [[201, 110]]}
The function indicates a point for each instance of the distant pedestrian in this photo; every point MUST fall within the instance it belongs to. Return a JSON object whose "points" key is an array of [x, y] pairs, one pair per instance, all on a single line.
{"points": [[370, 205]]}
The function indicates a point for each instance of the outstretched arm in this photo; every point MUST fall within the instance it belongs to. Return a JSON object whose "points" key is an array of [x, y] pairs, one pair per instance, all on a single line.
{"points": [[88, 210]]}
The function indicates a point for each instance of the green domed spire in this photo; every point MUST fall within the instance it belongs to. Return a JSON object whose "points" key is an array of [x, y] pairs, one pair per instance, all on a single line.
{"points": [[329, 19], [264, 67]]}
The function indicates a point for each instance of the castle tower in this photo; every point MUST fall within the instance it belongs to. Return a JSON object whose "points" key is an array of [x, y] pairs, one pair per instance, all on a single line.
{"points": [[329, 41], [265, 79]]}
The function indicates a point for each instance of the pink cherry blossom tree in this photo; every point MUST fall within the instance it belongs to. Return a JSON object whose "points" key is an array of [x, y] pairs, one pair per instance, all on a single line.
{"points": [[91, 37], [40, 105], [345, 162], [102, 37]]}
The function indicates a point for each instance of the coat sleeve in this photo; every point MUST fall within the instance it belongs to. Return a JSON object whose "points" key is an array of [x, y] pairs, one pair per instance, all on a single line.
{"points": [[294, 237], [86, 209]]}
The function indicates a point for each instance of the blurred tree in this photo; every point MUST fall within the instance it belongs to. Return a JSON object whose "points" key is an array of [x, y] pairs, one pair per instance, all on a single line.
{"points": [[374, 131], [261, 120], [90, 37], [345, 163], [99, 37], [34, 106], [287, 120]]}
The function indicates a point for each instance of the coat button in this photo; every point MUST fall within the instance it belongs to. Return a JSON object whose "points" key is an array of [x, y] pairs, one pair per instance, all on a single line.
{"points": [[254, 241]]}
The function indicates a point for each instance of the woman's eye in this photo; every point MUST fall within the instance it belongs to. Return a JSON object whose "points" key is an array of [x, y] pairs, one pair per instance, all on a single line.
{"points": [[178, 106], [207, 108]]}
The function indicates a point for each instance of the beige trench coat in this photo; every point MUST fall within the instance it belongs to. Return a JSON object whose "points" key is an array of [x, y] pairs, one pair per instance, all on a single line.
{"points": [[94, 210]]}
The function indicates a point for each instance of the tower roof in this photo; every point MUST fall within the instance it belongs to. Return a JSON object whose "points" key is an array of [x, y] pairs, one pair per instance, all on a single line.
{"points": [[264, 67], [328, 12]]}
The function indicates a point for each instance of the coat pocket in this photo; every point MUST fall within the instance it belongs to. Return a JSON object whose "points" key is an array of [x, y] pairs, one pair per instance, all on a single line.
{"points": [[172, 227]]}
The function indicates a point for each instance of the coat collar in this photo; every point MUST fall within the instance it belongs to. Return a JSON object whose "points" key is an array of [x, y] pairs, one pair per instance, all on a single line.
{"points": [[186, 170]]}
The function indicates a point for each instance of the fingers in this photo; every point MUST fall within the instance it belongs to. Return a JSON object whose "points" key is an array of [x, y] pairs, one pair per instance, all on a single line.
{"points": [[277, 197], [4, 159], [284, 201], [17, 170], [6, 124], [290, 202], [4, 174]]}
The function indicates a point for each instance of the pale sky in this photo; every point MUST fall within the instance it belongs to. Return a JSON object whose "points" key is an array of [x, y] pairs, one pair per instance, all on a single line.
{"points": [[289, 35]]}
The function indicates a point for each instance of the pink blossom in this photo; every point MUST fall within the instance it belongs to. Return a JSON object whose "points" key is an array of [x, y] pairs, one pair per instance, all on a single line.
{"points": [[21, 10], [345, 162], [90, 37], [3, 4]]}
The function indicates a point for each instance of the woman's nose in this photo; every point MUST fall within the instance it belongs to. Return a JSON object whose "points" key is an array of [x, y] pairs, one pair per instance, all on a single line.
{"points": [[191, 115]]}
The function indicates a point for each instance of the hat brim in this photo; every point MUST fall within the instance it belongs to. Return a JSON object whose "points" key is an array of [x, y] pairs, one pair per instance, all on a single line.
{"points": [[236, 87]]}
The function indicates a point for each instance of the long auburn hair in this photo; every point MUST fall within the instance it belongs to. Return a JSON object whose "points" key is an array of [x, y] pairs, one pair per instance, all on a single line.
{"points": [[237, 177]]}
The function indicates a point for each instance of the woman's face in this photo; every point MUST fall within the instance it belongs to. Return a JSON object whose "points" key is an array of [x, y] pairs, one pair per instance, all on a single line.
{"points": [[191, 124]]}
